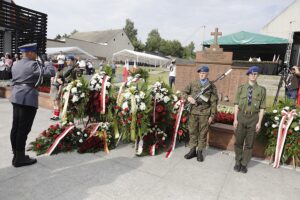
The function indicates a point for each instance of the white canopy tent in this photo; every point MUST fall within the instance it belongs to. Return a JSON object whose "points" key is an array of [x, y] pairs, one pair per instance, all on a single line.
{"points": [[70, 50], [130, 55]]}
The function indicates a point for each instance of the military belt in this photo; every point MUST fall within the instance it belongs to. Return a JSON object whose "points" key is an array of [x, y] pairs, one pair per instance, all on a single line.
{"points": [[24, 84], [248, 112]]}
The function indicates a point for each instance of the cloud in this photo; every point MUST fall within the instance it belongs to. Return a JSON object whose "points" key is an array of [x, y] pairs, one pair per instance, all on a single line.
{"points": [[182, 20]]}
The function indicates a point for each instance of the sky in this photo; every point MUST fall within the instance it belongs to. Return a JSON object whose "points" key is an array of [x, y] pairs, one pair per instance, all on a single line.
{"points": [[183, 20]]}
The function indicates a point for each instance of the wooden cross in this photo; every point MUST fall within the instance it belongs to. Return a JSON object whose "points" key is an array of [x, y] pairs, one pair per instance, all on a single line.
{"points": [[216, 34]]}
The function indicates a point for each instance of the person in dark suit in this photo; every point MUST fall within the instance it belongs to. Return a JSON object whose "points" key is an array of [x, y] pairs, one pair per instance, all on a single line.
{"points": [[27, 75]]}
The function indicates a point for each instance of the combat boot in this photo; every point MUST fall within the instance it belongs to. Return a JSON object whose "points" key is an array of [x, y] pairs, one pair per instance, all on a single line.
{"points": [[23, 160], [191, 154], [200, 156]]}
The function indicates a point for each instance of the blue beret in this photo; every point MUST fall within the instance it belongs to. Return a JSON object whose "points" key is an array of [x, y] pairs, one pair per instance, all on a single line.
{"points": [[252, 69], [70, 57], [28, 47], [203, 69]]}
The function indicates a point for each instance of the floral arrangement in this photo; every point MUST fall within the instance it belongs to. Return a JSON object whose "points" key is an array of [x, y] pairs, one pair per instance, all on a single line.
{"points": [[75, 98], [225, 114], [183, 133], [154, 140], [100, 138], [131, 113], [269, 134], [101, 97], [44, 88], [71, 141]]}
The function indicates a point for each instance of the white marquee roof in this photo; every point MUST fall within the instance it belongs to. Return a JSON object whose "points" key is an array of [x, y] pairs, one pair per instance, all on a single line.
{"points": [[140, 57], [70, 50]]}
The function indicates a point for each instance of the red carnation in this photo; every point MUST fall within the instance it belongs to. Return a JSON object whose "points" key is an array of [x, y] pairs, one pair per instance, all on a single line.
{"points": [[129, 118], [174, 116], [38, 146], [44, 133], [126, 109], [55, 136], [139, 115], [159, 108], [138, 121], [180, 132], [289, 132], [183, 119], [117, 107]]}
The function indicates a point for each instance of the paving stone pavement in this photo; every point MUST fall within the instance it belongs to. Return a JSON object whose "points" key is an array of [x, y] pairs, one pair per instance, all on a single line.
{"points": [[121, 175]]}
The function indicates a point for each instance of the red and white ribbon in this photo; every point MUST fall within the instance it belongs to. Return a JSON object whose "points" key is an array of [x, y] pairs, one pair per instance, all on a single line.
{"points": [[94, 129], [286, 120], [58, 139], [177, 123], [103, 94], [152, 150]]}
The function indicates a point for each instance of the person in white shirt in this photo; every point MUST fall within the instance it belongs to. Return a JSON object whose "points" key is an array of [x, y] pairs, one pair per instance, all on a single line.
{"points": [[61, 58], [172, 73]]}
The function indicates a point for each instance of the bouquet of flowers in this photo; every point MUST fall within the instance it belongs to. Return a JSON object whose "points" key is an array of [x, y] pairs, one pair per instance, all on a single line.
{"points": [[225, 115], [46, 140], [100, 137], [154, 140], [75, 98], [131, 113], [183, 133], [101, 98], [271, 130]]}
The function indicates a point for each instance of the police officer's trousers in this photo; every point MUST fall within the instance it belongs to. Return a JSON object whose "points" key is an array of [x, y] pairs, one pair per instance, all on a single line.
{"points": [[198, 129], [245, 137], [23, 117]]}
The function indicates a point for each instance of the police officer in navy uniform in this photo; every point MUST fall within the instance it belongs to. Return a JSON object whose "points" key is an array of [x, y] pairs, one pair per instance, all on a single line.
{"points": [[27, 75]]}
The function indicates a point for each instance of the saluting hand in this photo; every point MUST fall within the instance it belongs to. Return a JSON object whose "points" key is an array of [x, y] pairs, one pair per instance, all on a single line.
{"points": [[191, 100]]}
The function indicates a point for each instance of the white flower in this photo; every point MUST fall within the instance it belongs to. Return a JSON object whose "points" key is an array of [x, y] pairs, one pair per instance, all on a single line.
{"points": [[296, 128], [85, 135], [175, 98], [108, 84], [143, 106], [177, 92], [97, 86], [274, 125], [142, 94], [163, 138], [75, 98], [82, 95], [127, 95], [286, 108], [80, 141], [74, 90], [276, 118], [125, 105], [93, 82], [266, 124], [166, 99], [275, 111], [79, 84], [78, 133]]}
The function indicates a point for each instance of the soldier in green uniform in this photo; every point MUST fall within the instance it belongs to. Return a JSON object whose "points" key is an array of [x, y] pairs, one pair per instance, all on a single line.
{"points": [[203, 111], [250, 103]]}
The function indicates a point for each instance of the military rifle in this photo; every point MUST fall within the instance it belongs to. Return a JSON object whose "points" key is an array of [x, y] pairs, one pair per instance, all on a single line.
{"points": [[205, 88]]}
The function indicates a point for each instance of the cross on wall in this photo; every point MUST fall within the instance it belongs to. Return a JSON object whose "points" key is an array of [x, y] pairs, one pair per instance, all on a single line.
{"points": [[216, 34]]}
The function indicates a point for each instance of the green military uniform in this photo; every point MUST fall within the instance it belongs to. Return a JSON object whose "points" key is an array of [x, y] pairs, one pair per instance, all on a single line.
{"points": [[200, 112], [248, 116]]}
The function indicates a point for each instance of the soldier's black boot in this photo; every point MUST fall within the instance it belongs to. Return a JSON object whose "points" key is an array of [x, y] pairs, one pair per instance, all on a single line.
{"points": [[191, 154], [23, 160], [237, 167], [200, 156], [244, 169]]}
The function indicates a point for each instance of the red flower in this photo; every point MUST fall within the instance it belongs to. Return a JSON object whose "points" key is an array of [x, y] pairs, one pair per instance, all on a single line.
{"points": [[55, 136], [139, 115], [138, 121], [52, 127], [126, 109], [183, 119], [129, 118], [44, 133], [164, 113], [298, 140], [289, 132], [288, 145], [117, 107], [59, 146], [38, 146], [159, 108], [180, 132], [174, 116]]}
